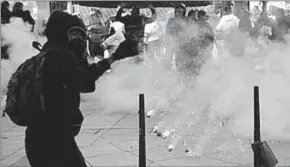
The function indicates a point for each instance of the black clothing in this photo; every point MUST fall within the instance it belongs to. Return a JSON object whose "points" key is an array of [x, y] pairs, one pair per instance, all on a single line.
{"points": [[135, 26], [50, 138], [5, 15], [5, 19]]}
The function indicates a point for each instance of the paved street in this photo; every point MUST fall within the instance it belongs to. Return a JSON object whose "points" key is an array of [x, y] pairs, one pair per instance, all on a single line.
{"points": [[112, 139]]}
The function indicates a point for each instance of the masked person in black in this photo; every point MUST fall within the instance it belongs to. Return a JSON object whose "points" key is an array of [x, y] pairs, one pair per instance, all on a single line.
{"points": [[50, 136], [134, 27], [24, 14]]}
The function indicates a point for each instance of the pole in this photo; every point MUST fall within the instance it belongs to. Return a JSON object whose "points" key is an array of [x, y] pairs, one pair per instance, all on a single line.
{"points": [[142, 140], [257, 132]]}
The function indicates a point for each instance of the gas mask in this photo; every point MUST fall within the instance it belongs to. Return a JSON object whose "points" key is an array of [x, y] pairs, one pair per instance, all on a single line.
{"points": [[77, 37]]}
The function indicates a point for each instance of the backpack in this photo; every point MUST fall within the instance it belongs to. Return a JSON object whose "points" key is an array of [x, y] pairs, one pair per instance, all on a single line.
{"points": [[24, 97]]}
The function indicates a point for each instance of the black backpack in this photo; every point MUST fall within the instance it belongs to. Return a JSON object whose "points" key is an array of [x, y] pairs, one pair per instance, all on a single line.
{"points": [[24, 97]]}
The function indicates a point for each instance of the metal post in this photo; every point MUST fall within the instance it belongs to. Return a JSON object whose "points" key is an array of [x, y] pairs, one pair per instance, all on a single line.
{"points": [[257, 132], [142, 139]]}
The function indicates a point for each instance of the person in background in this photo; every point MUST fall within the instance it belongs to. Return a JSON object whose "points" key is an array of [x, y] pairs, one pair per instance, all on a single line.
{"points": [[272, 12], [20, 13], [205, 31], [282, 27], [5, 19], [178, 23], [256, 12], [192, 15], [183, 41], [228, 20], [264, 26], [96, 17], [202, 45], [135, 26], [233, 41], [153, 38], [5, 12], [245, 23], [97, 30]]}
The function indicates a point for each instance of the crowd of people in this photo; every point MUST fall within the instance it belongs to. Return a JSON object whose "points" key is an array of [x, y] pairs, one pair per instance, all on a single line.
{"points": [[67, 73], [190, 32], [17, 12]]}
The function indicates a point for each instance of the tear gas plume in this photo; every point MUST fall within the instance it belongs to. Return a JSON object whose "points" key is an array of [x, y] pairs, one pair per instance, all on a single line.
{"points": [[190, 108], [18, 37], [219, 99]]}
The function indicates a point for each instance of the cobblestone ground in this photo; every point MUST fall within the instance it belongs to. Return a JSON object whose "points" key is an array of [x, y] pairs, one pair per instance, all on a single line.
{"points": [[112, 139]]}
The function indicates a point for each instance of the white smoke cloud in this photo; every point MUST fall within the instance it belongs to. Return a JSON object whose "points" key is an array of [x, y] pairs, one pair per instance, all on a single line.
{"points": [[224, 87], [19, 38]]}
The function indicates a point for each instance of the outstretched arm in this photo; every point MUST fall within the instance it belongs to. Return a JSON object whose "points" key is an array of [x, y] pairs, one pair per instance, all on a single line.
{"points": [[119, 15], [78, 75], [30, 19]]}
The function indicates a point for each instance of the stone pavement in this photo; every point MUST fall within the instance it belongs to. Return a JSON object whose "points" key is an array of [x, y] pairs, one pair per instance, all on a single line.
{"points": [[112, 140]]}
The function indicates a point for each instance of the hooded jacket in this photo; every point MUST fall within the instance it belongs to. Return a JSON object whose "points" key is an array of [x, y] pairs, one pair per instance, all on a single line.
{"points": [[65, 76]]}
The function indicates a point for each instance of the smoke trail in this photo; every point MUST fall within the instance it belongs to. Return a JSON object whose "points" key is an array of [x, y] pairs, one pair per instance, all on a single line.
{"points": [[19, 38]]}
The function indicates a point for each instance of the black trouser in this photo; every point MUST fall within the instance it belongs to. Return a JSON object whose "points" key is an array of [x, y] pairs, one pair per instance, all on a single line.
{"points": [[43, 150]]}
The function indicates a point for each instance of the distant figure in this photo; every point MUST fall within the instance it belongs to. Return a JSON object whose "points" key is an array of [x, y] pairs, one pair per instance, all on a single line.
{"points": [[5, 19], [205, 31], [135, 26], [192, 15], [20, 13], [283, 25], [227, 30], [98, 30], [182, 40], [178, 23], [264, 25], [96, 17], [256, 12], [245, 23], [228, 20], [5, 12]]}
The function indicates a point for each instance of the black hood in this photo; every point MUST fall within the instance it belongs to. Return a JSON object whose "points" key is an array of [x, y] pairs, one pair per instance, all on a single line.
{"points": [[58, 25]]}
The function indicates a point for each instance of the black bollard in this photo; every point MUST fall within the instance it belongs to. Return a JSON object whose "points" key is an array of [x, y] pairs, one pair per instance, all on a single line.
{"points": [[142, 132], [257, 132], [263, 155]]}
